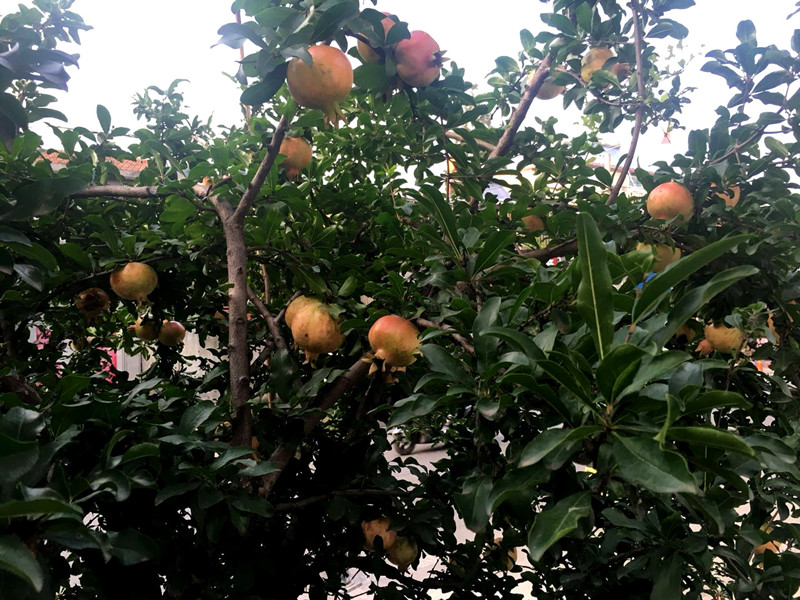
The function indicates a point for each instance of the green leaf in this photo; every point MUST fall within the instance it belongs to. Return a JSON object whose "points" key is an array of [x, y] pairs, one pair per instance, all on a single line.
{"points": [[560, 22], [492, 249], [265, 89], [370, 76], [715, 399], [551, 439], [131, 547], [642, 461], [517, 340], [595, 301], [443, 362], [474, 503], [691, 302], [16, 558], [104, 117], [659, 286], [16, 458], [41, 197], [555, 522], [195, 416], [432, 201], [37, 507], [7, 234], [653, 368], [567, 379], [746, 32], [667, 583], [486, 346], [30, 274], [711, 436], [617, 369]]}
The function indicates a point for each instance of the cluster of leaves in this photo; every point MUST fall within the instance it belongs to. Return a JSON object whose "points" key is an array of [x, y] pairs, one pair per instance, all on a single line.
{"points": [[576, 422]]}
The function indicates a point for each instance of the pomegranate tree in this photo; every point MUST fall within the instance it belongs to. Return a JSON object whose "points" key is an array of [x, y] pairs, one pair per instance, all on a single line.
{"points": [[394, 340], [419, 59], [324, 84], [134, 281]]}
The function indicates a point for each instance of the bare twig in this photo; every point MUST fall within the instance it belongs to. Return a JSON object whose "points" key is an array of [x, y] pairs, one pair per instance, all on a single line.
{"points": [[254, 187], [567, 248], [274, 330], [287, 506], [458, 138], [456, 336], [283, 453], [637, 124], [515, 122]]}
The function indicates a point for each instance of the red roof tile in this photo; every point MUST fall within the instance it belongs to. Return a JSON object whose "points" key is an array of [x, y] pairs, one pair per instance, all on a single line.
{"points": [[137, 165]]}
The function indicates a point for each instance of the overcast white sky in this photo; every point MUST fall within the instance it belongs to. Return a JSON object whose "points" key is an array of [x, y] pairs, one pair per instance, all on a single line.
{"points": [[152, 42]]}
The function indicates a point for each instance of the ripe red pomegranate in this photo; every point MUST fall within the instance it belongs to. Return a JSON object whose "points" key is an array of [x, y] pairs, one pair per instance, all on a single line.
{"points": [[134, 281], [324, 84], [419, 59], [91, 302], [669, 200], [298, 155], [145, 329], [367, 52], [315, 331], [394, 340], [171, 333]]}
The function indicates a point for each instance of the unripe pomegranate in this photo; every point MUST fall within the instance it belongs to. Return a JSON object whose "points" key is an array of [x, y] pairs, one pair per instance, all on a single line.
{"points": [[171, 333], [419, 59], [533, 223], [134, 281], [730, 196], [298, 155], [315, 331], [145, 329], [324, 84], [394, 340], [378, 528], [91, 302], [403, 552], [670, 200], [665, 255], [723, 338], [594, 61], [295, 306], [367, 52], [548, 91]]}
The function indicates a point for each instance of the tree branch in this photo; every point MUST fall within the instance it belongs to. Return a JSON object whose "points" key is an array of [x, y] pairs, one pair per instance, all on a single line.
{"points": [[637, 125], [254, 187], [287, 506], [283, 453], [458, 138], [274, 330], [456, 336], [515, 122], [568, 248]]}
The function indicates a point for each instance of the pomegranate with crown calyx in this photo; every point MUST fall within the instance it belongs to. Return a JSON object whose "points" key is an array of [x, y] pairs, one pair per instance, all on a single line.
{"points": [[298, 155], [394, 340], [315, 331], [322, 85], [134, 281], [419, 59], [91, 302], [171, 333]]}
